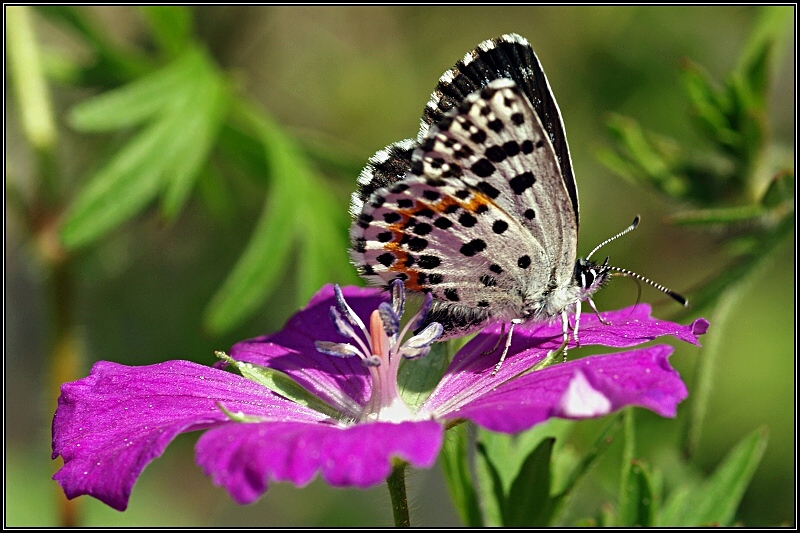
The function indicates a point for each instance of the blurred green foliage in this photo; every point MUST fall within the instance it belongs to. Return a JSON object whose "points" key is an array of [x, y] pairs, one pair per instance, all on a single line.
{"points": [[177, 180]]}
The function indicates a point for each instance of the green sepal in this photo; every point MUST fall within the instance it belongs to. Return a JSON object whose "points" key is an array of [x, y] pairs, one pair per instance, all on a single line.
{"points": [[240, 416], [281, 384], [419, 377]]}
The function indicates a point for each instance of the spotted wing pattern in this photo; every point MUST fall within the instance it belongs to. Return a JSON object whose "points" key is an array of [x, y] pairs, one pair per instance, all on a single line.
{"points": [[509, 56], [483, 220]]}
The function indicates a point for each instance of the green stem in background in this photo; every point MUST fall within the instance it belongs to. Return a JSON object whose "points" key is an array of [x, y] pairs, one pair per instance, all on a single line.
{"points": [[707, 363], [628, 453], [33, 98], [41, 213], [705, 371], [397, 491]]}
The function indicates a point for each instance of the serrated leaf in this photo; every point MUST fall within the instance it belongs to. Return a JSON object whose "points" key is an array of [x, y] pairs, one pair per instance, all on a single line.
{"points": [[714, 502], [172, 26], [455, 465], [529, 502]]}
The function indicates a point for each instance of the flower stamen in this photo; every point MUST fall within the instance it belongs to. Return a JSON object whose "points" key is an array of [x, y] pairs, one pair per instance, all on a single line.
{"points": [[380, 348]]}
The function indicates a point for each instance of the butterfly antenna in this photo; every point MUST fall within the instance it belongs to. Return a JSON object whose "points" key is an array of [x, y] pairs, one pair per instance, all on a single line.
{"points": [[617, 236], [672, 294]]}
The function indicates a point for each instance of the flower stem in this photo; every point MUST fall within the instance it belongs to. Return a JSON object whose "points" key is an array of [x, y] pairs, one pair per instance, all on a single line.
{"points": [[397, 491]]}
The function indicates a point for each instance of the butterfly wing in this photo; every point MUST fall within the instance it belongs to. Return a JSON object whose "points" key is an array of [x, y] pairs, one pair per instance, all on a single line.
{"points": [[509, 56], [483, 221]]}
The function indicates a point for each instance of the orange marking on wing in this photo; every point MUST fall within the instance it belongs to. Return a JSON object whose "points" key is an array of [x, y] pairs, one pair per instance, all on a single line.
{"points": [[398, 230]]}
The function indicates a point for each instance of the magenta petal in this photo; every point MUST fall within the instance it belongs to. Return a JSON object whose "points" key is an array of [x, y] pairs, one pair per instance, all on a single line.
{"points": [[243, 458], [585, 388], [111, 424], [292, 349], [531, 342]]}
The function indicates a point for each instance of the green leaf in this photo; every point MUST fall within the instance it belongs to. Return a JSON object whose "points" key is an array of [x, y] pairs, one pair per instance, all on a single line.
{"points": [[25, 65], [119, 190], [781, 189], [113, 65], [258, 269], [582, 468], [137, 101], [738, 271], [455, 465], [714, 502], [244, 148], [639, 506], [508, 453], [307, 216], [323, 225], [491, 489], [651, 157], [528, 502], [204, 113], [172, 26], [282, 384], [216, 194], [185, 102], [773, 26], [710, 108]]}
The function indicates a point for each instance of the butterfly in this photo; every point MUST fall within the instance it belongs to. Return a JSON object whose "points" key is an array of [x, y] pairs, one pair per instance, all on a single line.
{"points": [[481, 210]]}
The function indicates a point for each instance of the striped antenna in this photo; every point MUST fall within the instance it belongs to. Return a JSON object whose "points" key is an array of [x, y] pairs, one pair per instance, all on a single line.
{"points": [[617, 236], [669, 292]]}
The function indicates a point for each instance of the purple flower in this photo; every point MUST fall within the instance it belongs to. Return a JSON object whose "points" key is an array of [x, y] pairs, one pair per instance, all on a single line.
{"points": [[348, 423]]}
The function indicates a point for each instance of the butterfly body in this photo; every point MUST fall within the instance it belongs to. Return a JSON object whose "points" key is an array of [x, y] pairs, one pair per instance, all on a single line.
{"points": [[481, 210]]}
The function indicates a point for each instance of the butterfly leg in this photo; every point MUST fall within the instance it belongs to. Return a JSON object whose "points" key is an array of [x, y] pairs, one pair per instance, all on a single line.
{"points": [[565, 329], [594, 308], [577, 323], [499, 341], [514, 322]]}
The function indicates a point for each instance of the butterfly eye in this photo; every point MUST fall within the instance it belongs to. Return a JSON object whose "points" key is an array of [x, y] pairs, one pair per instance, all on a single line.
{"points": [[587, 278]]}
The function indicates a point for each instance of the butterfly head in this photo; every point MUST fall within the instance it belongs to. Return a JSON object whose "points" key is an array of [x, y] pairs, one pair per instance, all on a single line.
{"points": [[590, 276]]}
